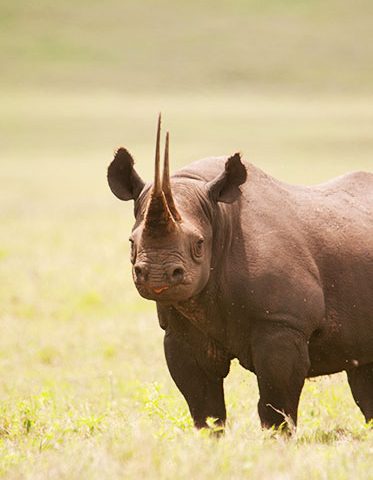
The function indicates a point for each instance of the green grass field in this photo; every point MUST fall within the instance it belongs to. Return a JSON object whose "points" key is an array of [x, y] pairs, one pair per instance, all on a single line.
{"points": [[84, 388]]}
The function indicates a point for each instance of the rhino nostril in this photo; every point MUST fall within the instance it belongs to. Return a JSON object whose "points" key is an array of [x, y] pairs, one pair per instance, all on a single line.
{"points": [[178, 274], [138, 271], [141, 273]]}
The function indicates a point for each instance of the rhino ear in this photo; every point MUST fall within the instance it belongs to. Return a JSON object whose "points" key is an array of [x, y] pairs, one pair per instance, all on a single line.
{"points": [[225, 187], [123, 179]]}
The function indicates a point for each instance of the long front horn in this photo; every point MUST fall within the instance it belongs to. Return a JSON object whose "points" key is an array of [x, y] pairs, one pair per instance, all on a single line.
{"points": [[158, 218], [157, 189], [166, 184]]}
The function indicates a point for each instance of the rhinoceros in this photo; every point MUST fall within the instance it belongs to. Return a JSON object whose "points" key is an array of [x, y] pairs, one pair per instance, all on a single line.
{"points": [[243, 266]]}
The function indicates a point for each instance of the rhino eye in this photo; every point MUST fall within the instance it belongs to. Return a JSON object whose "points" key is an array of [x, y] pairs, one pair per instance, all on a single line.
{"points": [[198, 248], [133, 250]]}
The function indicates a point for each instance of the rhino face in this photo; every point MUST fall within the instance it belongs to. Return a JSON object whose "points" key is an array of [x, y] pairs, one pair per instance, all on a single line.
{"points": [[171, 241], [172, 267]]}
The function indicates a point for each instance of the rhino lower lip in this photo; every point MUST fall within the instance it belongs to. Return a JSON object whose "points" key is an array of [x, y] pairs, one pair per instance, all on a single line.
{"points": [[160, 289]]}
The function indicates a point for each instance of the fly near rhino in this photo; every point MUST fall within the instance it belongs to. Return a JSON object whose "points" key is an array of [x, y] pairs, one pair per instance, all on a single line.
{"points": [[244, 266]]}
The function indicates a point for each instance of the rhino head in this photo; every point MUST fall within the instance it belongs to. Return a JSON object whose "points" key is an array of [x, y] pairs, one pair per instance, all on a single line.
{"points": [[173, 235]]}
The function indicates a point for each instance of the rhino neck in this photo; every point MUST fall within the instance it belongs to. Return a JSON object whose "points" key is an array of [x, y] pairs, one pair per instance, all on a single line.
{"points": [[204, 312]]}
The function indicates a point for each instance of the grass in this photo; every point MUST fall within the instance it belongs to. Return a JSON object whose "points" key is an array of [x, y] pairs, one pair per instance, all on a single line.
{"points": [[84, 388]]}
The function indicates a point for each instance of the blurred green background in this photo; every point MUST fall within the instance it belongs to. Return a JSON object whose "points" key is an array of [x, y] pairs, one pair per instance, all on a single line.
{"points": [[154, 45], [287, 82], [84, 388]]}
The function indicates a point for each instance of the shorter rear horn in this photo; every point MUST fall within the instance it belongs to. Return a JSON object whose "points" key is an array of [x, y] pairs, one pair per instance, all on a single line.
{"points": [[166, 183]]}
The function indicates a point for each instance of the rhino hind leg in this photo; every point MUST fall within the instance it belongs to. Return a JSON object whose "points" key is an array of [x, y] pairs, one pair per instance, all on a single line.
{"points": [[361, 384], [281, 363], [203, 393]]}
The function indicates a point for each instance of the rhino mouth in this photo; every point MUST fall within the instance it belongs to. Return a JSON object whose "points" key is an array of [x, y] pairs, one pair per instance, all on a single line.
{"points": [[165, 293], [159, 290]]}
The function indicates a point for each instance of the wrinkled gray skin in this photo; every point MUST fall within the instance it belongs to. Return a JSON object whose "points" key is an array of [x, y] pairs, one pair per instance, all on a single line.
{"points": [[278, 276]]}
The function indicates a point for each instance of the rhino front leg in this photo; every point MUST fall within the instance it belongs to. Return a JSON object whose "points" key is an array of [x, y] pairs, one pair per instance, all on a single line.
{"points": [[203, 393], [361, 384], [281, 363]]}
